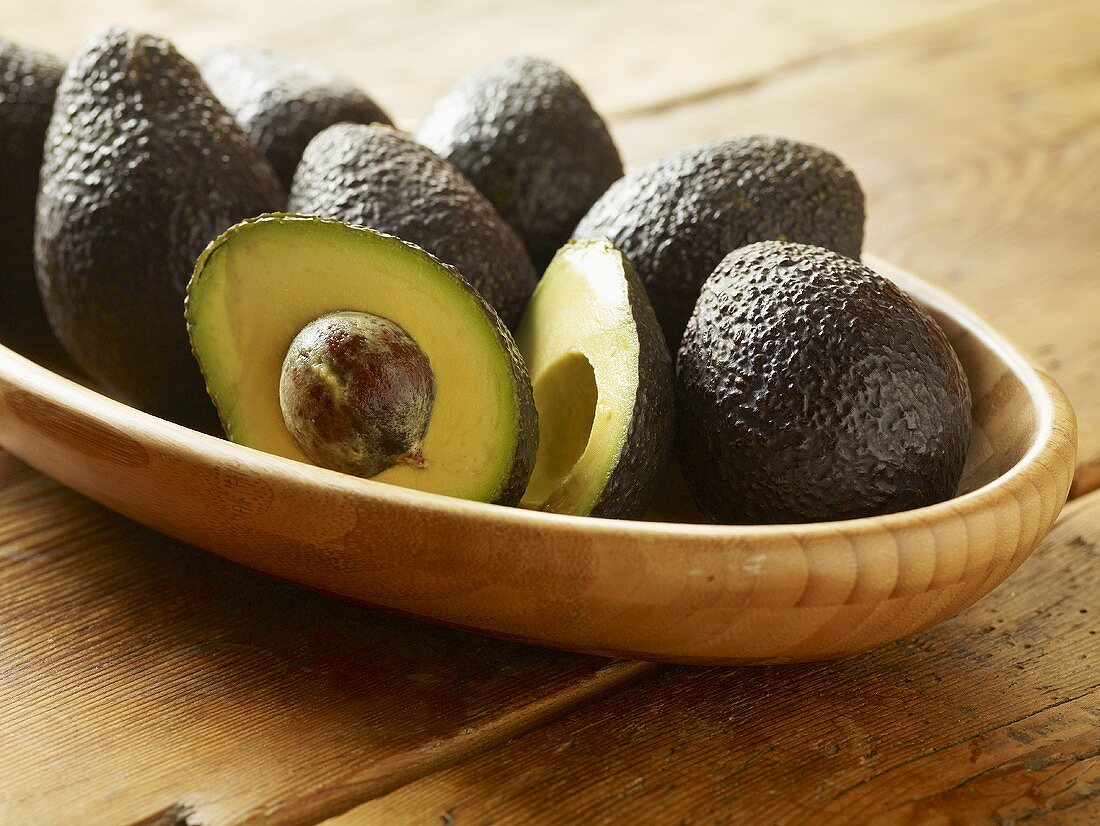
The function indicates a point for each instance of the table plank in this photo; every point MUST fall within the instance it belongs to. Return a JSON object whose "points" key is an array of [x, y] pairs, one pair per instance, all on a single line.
{"points": [[141, 678], [627, 54], [993, 716], [978, 142]]}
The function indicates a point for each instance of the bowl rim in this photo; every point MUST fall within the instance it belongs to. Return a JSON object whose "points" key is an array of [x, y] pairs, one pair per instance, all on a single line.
{"points": [[1055, 429]]}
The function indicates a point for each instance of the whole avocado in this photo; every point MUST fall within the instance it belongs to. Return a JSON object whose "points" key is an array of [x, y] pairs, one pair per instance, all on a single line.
{"points": [[380, 178], [677, 217], [28, 83], [809, 388], [283, 102], [527, 137], [143, 166]]}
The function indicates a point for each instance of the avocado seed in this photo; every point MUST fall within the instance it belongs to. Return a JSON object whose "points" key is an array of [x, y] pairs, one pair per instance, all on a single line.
{"points": [[356, 393]]}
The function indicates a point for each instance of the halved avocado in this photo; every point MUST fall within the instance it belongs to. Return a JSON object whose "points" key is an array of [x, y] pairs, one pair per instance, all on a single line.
{"points": [[603, 386], [262, 282]]}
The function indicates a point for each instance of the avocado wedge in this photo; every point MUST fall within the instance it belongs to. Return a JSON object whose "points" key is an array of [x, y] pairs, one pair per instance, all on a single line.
{"points": [[603, 386], [263, 282]]}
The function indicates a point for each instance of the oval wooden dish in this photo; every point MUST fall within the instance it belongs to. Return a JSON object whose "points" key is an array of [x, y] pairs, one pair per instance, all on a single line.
{"points": [[678, 592]]}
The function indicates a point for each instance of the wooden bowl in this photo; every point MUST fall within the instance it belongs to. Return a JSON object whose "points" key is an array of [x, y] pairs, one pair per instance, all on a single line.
{"points": [[677, 592]]}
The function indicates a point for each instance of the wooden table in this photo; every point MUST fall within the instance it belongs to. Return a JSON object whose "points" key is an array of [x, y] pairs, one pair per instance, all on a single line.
{"points": [[147, 682]]}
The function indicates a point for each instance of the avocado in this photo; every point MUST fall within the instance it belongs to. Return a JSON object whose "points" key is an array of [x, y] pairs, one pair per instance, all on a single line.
{"points": [[677, 217], [383, 179], [143, 166], [28, 82], [268, 284], [283, 102], [603, 386], [809, 388], [526, 136]]}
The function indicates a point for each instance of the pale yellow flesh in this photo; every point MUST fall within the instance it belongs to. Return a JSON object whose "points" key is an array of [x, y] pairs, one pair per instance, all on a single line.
{"points": [[259, 288], [580, 315]]}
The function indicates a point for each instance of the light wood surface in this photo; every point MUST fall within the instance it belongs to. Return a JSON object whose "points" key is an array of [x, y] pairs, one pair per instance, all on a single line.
{"points": [[684, 593], [974, 127]]}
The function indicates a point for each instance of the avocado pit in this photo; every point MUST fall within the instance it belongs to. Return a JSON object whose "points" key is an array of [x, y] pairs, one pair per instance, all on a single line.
{"points": [[356, 393]]}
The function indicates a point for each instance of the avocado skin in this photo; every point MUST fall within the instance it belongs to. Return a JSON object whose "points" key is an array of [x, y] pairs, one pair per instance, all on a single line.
{"points": [[647, 449], [28, 83], [678, 216], [282, 102], [527, 137], [143, 166], [812, 389], [380, 178], [527, 445]]}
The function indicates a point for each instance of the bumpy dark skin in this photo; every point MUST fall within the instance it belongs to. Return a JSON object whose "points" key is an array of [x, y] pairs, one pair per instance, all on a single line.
{"points": [[811, 389], [382, 179], [677, 217], [28, 82], [143, 166], [282, 102], [357, 393], [648, 446], [527, 137]]}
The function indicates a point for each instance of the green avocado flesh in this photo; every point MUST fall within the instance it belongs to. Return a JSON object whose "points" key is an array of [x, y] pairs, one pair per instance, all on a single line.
{"points": [[259, 284], [602, 382]]}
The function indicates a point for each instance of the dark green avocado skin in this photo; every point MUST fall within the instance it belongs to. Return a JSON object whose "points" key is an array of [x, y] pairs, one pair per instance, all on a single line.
{"points": [[643, 460], [527, 445], [143, 166], [677, 217], [283, 102], [28, 82], [380, 178], [527, 137], [811, 389]]}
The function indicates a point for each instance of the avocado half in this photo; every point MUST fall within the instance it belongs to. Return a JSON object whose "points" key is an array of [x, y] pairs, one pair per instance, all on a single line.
{"points": [[603, 386], [262, 281]]}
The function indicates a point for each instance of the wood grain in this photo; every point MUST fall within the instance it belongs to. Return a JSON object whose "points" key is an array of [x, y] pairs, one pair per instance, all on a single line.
{"points": [[681, 593], [627, 55], [977, 140], [992, 717], [141, 677]]}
